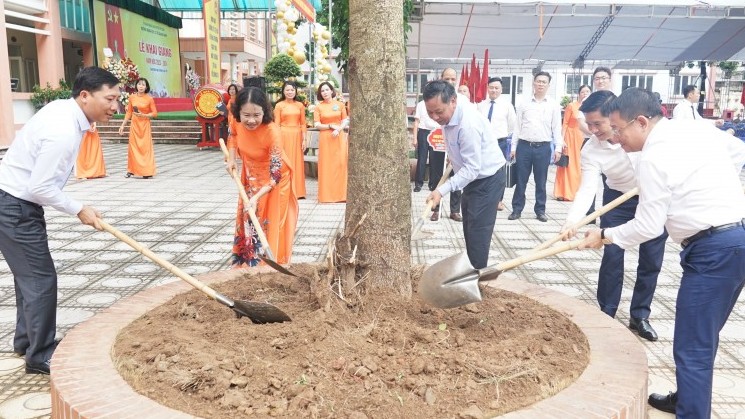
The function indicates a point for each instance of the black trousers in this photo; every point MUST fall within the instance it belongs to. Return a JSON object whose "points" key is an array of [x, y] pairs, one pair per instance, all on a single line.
{"points": [[23, 244], [422, 150], [480, 199], [436, 167]]}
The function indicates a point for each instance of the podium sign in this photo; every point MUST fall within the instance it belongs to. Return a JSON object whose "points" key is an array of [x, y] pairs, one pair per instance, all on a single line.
{"points": [[436, 140]]}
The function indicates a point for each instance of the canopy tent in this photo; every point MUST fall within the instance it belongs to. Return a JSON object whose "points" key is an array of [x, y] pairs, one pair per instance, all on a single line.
{"points": [[225, 5], [635, 33]]}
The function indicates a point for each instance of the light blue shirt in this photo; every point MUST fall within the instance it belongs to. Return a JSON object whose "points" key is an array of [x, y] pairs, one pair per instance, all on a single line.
{"points": [[472, 147], [40, 159]]}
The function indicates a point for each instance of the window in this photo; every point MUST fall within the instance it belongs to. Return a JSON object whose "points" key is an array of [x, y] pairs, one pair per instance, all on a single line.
{"points": [[411, 85], [574, 81], [642, 82], [681, 82], [507, 85]]}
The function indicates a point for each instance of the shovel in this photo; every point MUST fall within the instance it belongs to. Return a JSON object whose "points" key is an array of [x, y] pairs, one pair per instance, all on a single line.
{"points": [[257, 312], [453, 282], [600, 211], [417, 233], [269, 258]]}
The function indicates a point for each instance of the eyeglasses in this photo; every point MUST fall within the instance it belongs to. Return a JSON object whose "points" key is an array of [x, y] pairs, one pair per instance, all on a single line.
{"points": [[618, 131]]}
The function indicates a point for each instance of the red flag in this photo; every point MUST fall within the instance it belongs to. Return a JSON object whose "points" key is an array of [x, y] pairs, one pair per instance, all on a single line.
{"points": [[464, 76], [475, 77], [484, 79], [114, 33], [742, 97]]}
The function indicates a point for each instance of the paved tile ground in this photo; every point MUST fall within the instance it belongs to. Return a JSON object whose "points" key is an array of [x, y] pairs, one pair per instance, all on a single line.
{"points": [[185, 214]]}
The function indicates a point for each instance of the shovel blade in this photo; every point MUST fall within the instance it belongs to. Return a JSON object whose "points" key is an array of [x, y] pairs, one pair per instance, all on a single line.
{"points": [[277, 267], [451, 282], [259, 313]]}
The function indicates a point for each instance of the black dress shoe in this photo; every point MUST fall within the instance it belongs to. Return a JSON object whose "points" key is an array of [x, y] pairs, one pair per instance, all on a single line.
{"points": [[541, 217], [147, 177], [643, 327], [129, 174], [455, 216], [417, 188], [435, 216], [42, 368], [432, 187], [664, 403], [22, 352], [514, 216]]}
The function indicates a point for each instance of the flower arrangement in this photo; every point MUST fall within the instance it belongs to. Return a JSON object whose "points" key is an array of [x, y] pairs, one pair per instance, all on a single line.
{"points": [[127, 72], [192, 81]]}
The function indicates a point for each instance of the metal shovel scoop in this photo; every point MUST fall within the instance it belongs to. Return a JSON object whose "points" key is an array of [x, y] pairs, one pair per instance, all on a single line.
{"points": [[257, 312], [453, 282], [268, 257]]}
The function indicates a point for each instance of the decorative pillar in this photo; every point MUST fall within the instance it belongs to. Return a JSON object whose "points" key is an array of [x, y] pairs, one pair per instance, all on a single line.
{"points": [[7, 124], [232, 67], [49, 48]]}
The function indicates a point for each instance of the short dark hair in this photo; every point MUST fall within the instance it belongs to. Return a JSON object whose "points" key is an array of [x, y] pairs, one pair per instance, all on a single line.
{"points": [[582, 87], [542, 73], [285, 84], [93, 79], [237, 89], [596, 100], [255, 96], [602, 70], [493, 79], [318, 91], [439, 88], [147, 84], [632, 103], [688, 89]]}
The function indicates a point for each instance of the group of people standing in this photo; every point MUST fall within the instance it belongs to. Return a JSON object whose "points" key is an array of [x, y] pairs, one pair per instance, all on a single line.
{"points": [[691, 194]]}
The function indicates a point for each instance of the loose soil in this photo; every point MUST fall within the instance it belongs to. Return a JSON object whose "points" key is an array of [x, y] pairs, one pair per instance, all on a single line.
{"points": [[389, 359]]}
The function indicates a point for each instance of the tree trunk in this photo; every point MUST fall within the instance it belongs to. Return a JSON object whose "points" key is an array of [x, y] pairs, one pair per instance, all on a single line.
{"points": [[378, 149]]}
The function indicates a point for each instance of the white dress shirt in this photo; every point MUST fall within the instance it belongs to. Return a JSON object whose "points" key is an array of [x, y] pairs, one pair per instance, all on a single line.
{"points": [[686, 110], [598, 158], [40, 159], [538, 120], [471, 146], [425, 122], [503, 117], [689, 180]]}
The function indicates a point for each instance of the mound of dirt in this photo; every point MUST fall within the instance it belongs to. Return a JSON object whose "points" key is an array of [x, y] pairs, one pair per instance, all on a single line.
{"points": [[391, 358]]}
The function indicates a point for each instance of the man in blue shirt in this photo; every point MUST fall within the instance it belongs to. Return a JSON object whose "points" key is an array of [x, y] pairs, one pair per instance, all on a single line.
{"points": [[477, 162]]}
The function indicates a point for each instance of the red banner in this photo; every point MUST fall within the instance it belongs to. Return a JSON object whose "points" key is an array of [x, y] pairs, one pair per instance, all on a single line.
{"points": [[306, 9], [436, 140], [114, 32]]}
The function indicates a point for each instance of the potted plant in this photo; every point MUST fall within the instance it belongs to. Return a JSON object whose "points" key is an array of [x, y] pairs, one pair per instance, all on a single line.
{"points": [[728, 67], [41, 96]]}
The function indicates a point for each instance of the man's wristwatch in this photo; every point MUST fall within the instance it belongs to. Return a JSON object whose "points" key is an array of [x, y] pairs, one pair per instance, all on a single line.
{"points": [[603, 238]]}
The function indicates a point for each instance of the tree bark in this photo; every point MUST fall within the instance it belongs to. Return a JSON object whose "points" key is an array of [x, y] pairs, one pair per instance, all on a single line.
{"points": [[378, 149]]}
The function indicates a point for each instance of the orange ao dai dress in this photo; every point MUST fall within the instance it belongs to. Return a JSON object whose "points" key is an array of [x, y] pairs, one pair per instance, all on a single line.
{"points": [[290, 116], [141, 154], [90, 163], [264, 163], [333, 153], [569, 178]]}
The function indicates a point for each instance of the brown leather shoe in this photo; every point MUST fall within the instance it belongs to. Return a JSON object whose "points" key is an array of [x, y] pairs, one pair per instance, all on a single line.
{"points": [[455, 216], [435, 216]]}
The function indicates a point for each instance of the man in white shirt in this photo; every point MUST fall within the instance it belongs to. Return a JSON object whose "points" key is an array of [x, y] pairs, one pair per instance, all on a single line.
{"points": [[477, 163], [501, 114], [695, 193], [32, 174], [603, 159], [437, 159], [688, 108], [538, 125]]}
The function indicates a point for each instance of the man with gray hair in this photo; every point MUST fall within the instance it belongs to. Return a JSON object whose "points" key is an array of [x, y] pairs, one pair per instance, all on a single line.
{"points": [[477, 162]]}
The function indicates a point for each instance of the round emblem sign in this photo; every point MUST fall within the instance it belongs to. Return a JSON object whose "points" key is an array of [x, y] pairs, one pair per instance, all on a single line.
{"points": [[207, 102]]}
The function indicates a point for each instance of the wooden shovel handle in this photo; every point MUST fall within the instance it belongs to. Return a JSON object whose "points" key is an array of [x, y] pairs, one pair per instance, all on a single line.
{"points": [[443, 178], [244, 197], [530, 257], [155, 258], [600, 211]]}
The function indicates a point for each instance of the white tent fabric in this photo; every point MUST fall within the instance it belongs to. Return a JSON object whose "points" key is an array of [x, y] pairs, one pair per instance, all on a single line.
{"points": [[659, 33]]}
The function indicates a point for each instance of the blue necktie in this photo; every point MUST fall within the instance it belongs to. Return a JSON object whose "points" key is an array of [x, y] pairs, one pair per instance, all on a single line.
{"points": [[491, 109]]}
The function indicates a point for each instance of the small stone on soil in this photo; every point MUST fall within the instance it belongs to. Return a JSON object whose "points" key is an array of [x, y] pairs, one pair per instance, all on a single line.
{"points": [[472, 412]]}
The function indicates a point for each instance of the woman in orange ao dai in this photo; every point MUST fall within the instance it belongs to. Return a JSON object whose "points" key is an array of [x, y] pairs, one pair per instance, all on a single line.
{"points": [[330, 118], [90, 163], [290, 115], [141, 154], [266, 175], [574, 130]]}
